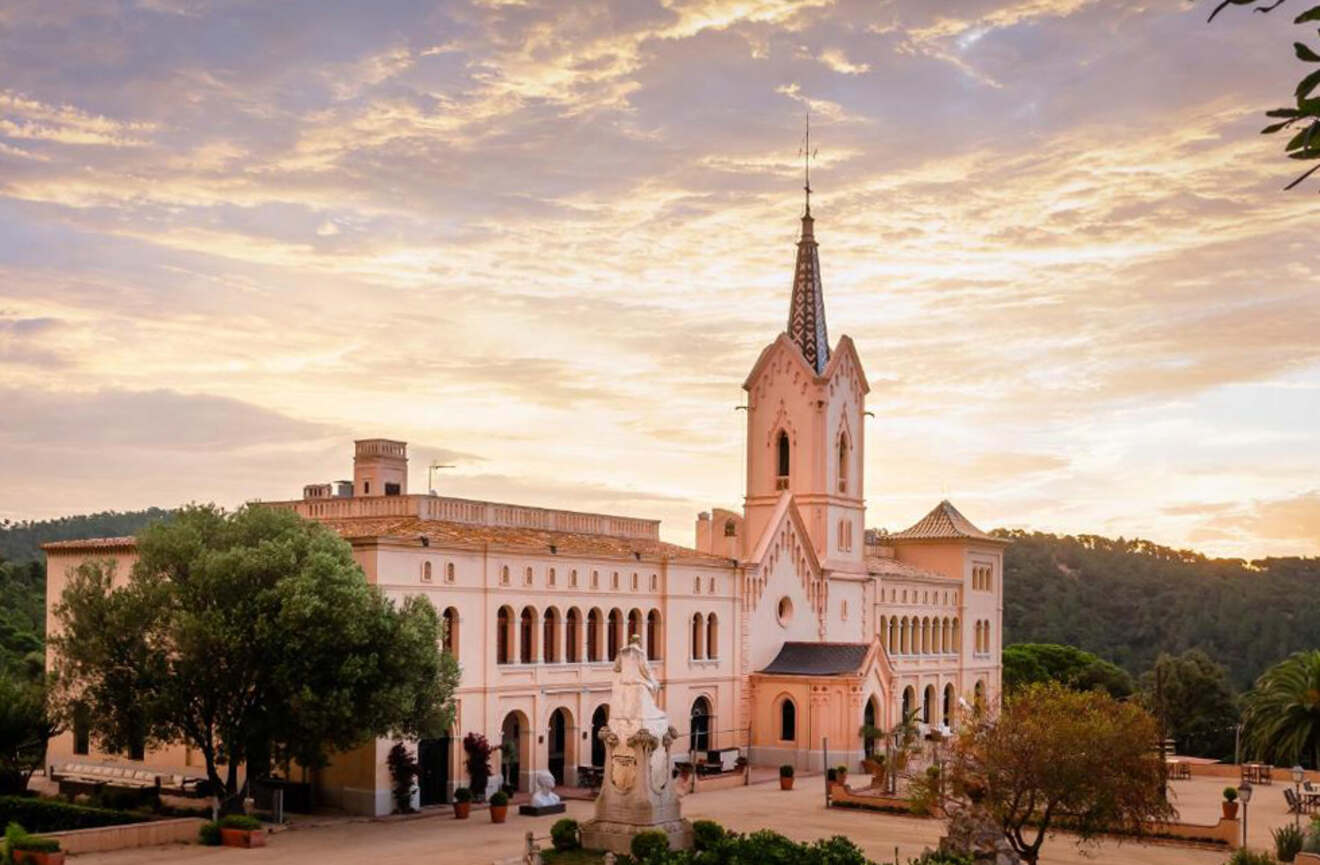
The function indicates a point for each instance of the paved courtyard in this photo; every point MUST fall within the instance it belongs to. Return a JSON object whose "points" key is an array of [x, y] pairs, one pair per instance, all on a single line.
{"points": [[800, 814]]}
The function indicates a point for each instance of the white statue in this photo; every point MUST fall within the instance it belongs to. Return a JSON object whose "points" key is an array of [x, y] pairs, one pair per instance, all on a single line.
{"points": [[543, 785], [636, 792]]}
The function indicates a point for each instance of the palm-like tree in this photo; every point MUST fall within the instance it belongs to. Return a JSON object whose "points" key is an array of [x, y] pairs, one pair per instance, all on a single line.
{"points": [[1281, 717]]}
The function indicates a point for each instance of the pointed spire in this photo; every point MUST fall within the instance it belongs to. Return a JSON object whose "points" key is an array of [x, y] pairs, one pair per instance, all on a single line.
{"points": [[806, 311]]}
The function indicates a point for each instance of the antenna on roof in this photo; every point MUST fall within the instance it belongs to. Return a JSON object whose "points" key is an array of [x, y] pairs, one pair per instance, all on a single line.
{"points": [[807, 155], [430, 474]]}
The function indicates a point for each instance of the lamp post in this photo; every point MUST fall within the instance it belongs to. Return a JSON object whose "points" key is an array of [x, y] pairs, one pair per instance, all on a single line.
{"points": [[1244, 795], [1298, 773]]}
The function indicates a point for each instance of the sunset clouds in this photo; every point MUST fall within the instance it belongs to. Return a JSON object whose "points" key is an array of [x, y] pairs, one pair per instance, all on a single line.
{"points": [[547, 241]]}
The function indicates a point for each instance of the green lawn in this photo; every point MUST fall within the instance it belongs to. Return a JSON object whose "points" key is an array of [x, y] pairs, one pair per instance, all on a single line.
{"points": [[572, 857]]}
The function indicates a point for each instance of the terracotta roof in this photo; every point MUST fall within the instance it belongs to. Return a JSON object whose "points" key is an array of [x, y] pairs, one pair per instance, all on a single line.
{"points": [[90, 544], [944, 523], [818, 659], [444, 533], [880, 566]]}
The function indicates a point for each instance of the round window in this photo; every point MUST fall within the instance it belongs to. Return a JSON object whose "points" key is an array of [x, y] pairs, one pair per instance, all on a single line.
{"points": [[785, 611]]}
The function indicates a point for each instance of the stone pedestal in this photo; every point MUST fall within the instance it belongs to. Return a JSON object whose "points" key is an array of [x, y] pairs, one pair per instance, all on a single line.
{"points": [[542, 810], [637, 792], [973, 832]]}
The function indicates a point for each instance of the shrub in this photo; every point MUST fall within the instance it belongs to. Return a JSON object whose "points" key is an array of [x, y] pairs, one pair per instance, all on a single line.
{"points": [[17, 838], [240, 821], [1288, 840], [564, 834], [478, 752], [707, 834], [1230, 794], [841, 770], [1311, 843], [649, 845], [403, 771], [1242, 856], [463, 794], [786, 771], [833, 851], [935, 857], [49, 815], [500, 798], [209, 834]]}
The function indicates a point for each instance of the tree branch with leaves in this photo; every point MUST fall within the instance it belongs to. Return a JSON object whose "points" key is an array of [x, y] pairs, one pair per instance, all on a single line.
{"points": [[1303, 119]]}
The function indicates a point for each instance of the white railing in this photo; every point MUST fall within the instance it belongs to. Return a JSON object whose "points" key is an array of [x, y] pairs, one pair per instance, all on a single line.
{"points": [[473, 512]]}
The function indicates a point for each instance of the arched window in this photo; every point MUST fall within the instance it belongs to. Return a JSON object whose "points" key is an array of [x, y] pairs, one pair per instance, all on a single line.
{"points": [[426, 572], [787, 721], [870, 724], [550, 636], [593, 635], [712, 637], [928, 705], [550, 577], [572, 578], [905, 637], [504, 575], [698, 632], [699, 726], [634, 625], [527, 636], [527, 577], [893, 636], [730, 528], [503, 636], [653, 635], [925, 636], [948, 706], [843, 462], [449, 572], [571, 635], [613, 630], [450, 618], [785, 459]]}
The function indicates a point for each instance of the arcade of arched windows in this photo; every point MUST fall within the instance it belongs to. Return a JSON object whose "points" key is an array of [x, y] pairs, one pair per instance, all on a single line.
{"points": [[921, 635], [705, 637], [552, 636]]}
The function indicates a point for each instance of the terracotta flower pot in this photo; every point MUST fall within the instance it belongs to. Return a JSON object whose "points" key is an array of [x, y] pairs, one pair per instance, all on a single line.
{"points": [[462, 810], [35, 858], [785, 783], [243, 837], [1230, 810], [498, 813]]}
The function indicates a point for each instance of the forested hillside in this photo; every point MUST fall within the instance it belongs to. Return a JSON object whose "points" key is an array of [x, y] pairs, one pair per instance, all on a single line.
{"points": [[1127, 601], [21, 542], [23, 578]]}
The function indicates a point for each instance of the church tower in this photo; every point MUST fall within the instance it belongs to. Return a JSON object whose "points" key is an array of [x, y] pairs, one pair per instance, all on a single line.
{"points": [[805, 410]]}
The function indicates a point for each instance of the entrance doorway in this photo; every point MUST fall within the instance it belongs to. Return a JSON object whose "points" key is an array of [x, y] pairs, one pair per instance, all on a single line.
{"points": [[433, 770], [699, 726], [599, 719], [513, 747], [558, 744]]}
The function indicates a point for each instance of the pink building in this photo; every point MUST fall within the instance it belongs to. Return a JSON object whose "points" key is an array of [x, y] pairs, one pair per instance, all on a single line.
{"points": [[784, 625]]}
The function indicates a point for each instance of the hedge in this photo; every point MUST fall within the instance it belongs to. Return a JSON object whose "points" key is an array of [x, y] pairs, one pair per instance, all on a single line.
{"points": [[49, 815]]}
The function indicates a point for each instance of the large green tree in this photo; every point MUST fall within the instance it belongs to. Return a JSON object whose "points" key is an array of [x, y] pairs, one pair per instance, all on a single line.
{"points": [[1191, 697], [25, 725], [1303, 118], [1060, 758], [1030, 663], [252, 636], [1281, 715]]}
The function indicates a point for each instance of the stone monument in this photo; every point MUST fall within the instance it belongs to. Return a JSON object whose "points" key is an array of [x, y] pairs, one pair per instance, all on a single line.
{"points": [[637, 793], [544, 800]]}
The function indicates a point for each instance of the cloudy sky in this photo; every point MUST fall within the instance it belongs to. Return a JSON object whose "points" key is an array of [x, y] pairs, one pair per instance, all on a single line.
{"points": [[544, 242]]}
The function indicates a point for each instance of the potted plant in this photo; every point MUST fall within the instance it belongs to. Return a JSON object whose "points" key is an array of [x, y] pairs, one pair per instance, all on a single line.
{"points": [[25, 848], [841, 774], [462, 803], [1230, 804], [499, 807], [785, 777], [240, 830]]}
